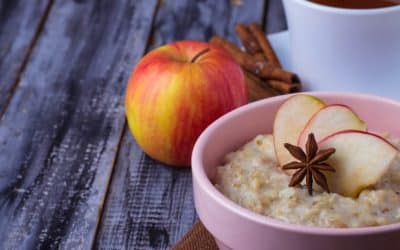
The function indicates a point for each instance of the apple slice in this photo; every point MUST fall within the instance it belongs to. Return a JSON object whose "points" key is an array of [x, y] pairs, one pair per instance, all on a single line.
{"points": [[360, 160], [290, 120], [329, 120]]}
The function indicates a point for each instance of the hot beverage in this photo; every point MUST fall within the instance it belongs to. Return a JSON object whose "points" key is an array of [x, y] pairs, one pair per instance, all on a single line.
{"points": [[358, 4]]}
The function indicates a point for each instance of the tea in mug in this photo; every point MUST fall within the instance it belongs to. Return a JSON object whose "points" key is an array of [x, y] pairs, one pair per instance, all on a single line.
{"points": [[358, 4]]}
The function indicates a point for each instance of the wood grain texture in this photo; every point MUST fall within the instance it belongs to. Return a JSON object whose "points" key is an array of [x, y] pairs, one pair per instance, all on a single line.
{"points": [[275, 19], [150, 205], [60, 132], [19, 22], [199, 20]]}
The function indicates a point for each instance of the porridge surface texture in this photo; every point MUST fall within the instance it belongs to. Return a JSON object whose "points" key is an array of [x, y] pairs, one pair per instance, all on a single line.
{"points": [[252, 179]]}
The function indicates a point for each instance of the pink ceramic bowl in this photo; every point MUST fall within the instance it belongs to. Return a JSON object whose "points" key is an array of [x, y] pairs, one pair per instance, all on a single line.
{"points": [[235, 227]]}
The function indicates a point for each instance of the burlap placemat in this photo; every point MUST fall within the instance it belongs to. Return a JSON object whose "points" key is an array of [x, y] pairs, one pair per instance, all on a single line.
{"points": [[197, 238]]}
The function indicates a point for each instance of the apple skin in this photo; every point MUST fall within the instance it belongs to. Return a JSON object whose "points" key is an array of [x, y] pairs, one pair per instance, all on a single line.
{"points": [[171, 100], [290, 120], [355, 124], [350, 131], [359, 165]]}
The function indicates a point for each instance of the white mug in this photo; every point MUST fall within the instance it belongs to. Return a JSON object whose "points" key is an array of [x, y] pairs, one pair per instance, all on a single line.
{"points": [[356, 50]]}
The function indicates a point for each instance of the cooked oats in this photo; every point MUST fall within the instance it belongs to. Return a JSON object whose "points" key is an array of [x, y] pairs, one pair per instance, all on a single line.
{"points": [[252, 179]]}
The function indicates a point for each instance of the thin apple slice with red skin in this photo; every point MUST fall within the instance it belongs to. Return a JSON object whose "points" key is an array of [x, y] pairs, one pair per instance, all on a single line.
{"points": [[331, 119], [290, 120], [360, 160]]}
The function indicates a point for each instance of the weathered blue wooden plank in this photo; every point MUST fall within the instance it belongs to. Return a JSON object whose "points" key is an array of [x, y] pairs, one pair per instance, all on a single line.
{"points": [[60, 133], [275, 20], [20, 21]]}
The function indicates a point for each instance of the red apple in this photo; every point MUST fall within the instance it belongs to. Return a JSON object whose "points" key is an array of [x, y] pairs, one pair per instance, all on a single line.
{"points": [[175, 92]]}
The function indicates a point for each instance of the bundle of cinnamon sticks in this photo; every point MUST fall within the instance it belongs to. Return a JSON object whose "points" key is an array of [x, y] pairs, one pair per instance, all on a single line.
{"points": [[263, 72]]}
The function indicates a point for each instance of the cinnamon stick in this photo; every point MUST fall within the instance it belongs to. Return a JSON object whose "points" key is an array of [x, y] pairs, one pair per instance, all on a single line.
{"points": [[257, 89], [248, 40], [259, 67], [284, 87], [265, 45], [275, 73]]}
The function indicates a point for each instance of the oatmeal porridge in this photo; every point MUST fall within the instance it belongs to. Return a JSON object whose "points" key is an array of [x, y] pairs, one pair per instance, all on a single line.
{"points": [[251, 178]]}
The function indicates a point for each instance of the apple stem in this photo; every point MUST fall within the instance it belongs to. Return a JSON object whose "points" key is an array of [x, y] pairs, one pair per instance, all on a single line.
{"points": [[199, 54]]}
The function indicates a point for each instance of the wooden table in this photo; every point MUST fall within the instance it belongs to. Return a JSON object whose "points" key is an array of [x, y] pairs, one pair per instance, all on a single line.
{"points": [[71, 174]]}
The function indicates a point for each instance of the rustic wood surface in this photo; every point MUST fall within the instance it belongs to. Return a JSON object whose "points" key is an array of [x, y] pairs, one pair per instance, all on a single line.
{"points": [[20, 21], [61, 130], [64, 146]]}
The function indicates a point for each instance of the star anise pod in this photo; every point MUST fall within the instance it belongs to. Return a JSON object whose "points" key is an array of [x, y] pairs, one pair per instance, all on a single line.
{"points": [[310, 164]]}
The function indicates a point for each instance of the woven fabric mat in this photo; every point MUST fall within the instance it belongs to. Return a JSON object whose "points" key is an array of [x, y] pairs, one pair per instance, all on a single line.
{"points": [[197, 238]]}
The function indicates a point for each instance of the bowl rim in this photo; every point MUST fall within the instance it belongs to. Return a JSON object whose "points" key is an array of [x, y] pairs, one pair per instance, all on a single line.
{"points": [[199, 175]]}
